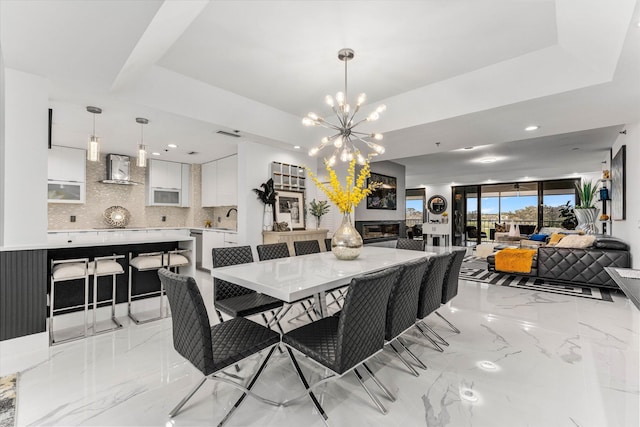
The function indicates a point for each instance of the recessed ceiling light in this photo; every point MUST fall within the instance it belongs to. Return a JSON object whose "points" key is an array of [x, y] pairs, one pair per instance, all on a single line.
{"points": [[487, 365], [468, 394], [155, 153], [532, 128], [469, 148], [297, 147], [172, 146], [487, 160]]}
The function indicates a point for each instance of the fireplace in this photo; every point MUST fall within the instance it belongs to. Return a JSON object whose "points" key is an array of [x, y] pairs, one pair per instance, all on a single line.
{"points": [[380, 231]]}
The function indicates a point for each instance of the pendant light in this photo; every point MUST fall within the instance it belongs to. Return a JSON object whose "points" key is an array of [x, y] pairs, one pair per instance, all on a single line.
{"points": [[93, 147], [142, 149]]}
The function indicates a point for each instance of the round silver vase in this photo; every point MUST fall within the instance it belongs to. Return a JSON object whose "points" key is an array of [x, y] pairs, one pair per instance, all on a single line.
{"points": [[346, 243]]}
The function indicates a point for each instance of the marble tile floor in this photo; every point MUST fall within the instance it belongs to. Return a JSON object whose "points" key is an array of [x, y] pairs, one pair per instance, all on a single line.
{"points": [[554, 361]]}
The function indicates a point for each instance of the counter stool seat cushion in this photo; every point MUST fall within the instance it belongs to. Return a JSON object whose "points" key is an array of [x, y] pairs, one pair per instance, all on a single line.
{"points": [[177, 259], [248, 304], [68, 271], [146, 262], [106, 267]]}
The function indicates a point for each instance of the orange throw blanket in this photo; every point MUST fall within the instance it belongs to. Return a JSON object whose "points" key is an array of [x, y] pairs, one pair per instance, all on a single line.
{"points": [[515, 260]]}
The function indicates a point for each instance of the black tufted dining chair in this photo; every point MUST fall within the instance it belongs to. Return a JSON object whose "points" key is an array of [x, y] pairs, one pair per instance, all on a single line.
{"points": [[341, 343], [410, 244], [450, 282], [235, 300], [306, 247], [402, 308], [327, 244], [430, 295], [208, 348]]}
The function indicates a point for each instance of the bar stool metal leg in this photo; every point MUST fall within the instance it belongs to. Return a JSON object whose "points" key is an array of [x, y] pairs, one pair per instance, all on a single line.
{"points": [[67, 270]]}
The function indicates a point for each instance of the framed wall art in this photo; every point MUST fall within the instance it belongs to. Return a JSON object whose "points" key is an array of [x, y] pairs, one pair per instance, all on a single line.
{"points": [[385, 196], [290, 208], [619, 185]]}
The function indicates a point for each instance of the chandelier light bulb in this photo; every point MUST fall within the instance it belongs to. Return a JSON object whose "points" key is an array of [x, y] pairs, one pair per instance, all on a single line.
{"points": [[381, 108], [332, 160], [377, 148], [344, 156], [373, 116], [329, 100], [362, 98], [338, 142], [314, 151], [308, 122], [312, 116], [377, 136], [361, 160], [350, 156], [340, 98], [346, 108], [325, 141]]}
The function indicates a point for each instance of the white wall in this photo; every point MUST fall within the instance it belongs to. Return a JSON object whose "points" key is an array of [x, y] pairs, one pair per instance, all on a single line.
{"points": [[629, 229], [390, 169], [24, 202], [2, 150], [254, 168]]}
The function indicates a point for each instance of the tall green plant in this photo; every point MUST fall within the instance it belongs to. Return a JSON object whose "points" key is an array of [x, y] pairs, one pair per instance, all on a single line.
{"points": [[586, 194]]}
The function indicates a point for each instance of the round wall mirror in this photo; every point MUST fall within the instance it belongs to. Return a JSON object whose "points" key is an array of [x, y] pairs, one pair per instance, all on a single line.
{"points": [[437, 205]]}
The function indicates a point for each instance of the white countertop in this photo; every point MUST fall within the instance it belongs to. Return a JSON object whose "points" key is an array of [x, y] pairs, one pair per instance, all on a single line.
{"points": [[104, 239], [293, 278]]}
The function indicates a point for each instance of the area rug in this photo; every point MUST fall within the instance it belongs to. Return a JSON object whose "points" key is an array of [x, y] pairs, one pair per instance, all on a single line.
{"points": [[8, 400], [475, 269]]}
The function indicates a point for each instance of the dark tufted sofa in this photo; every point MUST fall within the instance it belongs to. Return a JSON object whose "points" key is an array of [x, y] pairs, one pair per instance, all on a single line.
{"points": [[579, 266]]}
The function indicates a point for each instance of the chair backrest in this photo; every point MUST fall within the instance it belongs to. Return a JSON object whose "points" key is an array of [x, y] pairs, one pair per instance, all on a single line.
{"points": [[305, 247], [472, 231], [430, 295], [410, 244], [191, 329], [450, 282], [273, 251], [327, 244], [223, 257], [403, 300], [362, 320]]}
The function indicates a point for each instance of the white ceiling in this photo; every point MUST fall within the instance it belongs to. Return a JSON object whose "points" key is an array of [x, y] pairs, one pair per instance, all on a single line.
{"points": [[462, 73]]}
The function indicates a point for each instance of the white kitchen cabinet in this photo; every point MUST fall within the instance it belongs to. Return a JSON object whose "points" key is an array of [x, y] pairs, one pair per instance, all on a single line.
{"points": [[186, 185], [211, 239], [209, 191], [163, 174], [168, 183], [227, 182], [66, 175], [66, 164], [220, 182]]}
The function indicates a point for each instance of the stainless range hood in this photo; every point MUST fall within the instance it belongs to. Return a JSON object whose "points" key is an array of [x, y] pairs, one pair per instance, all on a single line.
{"points": [[118, 170]]}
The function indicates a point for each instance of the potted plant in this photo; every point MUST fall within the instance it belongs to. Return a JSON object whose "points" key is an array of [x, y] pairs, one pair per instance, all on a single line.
{"points": [[318, 209], [566, 211], [267, 196], [585, 212]]}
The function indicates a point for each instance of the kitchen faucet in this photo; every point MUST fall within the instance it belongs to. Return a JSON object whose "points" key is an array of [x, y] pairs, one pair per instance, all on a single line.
{"points": [[229, 211]]}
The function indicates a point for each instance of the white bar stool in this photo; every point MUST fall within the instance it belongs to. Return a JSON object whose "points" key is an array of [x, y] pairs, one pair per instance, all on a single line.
{"points": [[106, 266], [145, 262], [175, 259], [65, 270]]}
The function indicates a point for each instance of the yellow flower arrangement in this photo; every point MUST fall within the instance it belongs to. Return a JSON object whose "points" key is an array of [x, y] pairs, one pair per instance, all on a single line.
{"points": [[346, 196]]}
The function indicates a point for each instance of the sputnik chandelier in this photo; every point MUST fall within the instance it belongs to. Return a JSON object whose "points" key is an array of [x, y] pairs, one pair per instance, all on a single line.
{"points": [[343, 141]]}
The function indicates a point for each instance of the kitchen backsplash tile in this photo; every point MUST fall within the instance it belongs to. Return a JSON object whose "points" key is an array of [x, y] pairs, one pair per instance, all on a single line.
{"points": [[132, 197]]}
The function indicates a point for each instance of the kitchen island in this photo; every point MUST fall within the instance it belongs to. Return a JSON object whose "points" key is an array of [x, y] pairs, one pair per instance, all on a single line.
{"points": [[25, 271]]}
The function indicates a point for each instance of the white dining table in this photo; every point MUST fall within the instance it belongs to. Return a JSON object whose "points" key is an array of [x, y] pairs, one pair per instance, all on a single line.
{"points": [[298, 277]]}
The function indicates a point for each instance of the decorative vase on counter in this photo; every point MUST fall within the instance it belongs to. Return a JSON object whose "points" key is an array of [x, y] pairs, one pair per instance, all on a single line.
{"points": [[587, 218], [346, 243], [267, 218]]}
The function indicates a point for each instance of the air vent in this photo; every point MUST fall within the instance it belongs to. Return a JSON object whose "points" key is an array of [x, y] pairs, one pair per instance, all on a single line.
{"points": [[224, 132]]}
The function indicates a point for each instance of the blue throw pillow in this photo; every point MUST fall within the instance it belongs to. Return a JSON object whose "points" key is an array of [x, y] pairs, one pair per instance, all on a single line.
{"points": [[538, 237]]}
